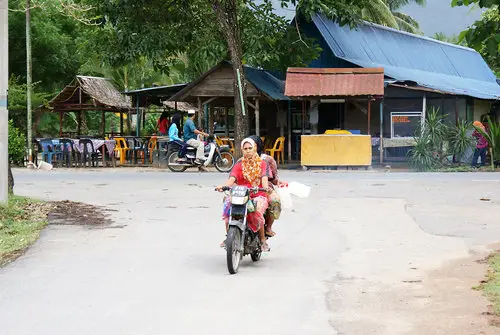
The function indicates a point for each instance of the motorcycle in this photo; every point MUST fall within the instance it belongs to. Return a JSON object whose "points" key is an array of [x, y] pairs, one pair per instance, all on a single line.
{"points": [[179, 158], [240, 240]]}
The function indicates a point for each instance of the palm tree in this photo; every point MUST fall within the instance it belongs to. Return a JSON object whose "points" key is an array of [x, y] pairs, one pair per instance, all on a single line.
{"points": [[385, 12]]}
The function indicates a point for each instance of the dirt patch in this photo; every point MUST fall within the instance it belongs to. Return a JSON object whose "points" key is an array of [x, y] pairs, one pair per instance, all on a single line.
{"points": [[455, 307], [77, 213]]}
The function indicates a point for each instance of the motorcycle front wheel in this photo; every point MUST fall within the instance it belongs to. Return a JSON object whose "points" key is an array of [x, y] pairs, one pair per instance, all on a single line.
{"points": [[172, 162], [233, 249], [225, 162]]}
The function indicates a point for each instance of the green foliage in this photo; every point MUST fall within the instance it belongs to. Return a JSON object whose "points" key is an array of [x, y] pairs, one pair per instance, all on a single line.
{"points": [[492, 135], [484, 34], [491, 285], [421, 157], [436, 141], [17, 143], [55, 53], [384, 12], [459, 139], [21, 221]]}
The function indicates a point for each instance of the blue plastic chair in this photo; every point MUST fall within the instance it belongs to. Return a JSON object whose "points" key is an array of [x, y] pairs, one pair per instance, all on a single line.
{"points": [[47, 150]]}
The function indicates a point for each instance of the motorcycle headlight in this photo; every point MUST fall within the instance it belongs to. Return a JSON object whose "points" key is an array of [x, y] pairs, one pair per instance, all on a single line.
{"points": [[237, 200]]}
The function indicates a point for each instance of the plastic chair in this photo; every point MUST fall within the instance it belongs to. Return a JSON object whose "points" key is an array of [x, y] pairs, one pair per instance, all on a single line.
{"points": [[140, 149], [151, 148], [68, 151], [89, 153], [278, 149], [57, 151], [47, 150], [121, 148]]}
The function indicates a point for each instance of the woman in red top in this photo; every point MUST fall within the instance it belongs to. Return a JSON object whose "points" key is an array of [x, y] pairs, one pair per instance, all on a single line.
{"points": [[162, 124], [251, 171]]}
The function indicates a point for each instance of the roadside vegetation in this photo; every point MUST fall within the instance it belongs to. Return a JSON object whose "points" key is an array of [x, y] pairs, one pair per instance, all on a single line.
{"points": [[21, 221], [442, 146], [491, 284]]}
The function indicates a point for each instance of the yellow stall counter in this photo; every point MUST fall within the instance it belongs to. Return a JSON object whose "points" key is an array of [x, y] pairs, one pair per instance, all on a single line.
{"points": [[336, 150]]}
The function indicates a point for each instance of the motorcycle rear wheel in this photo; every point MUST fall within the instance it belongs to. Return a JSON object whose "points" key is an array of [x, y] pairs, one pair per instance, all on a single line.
{"points": [[172, 159], [221, 166], [233, 252]]}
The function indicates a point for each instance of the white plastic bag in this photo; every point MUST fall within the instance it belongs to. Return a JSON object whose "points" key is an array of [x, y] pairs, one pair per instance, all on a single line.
{"points": [[286, 200], [298, 189]]}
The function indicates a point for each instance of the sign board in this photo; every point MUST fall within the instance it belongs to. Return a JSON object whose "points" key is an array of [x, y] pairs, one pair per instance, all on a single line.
{"points": [[405, 124]]}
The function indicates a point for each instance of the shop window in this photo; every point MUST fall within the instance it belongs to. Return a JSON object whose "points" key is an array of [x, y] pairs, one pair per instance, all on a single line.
{"points": [[405, 124]]}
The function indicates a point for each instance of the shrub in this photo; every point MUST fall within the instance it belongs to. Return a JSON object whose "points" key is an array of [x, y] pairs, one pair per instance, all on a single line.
{"points": [[17, 143]]}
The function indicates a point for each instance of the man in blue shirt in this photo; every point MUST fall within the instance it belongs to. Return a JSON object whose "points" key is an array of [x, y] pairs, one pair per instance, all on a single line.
{"points": [[190, 137]]}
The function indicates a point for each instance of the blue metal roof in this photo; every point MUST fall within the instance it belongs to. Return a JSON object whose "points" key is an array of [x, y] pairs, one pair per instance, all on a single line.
{"points": [[266, 83], [408, 57]]}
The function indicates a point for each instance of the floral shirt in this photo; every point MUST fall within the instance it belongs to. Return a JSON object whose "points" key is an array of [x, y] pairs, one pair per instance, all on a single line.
{"points": [[273, 168], [237, 173], [481, 141]]}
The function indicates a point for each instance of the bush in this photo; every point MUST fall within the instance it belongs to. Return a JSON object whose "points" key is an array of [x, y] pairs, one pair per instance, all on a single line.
{"points": [[17, 143]]}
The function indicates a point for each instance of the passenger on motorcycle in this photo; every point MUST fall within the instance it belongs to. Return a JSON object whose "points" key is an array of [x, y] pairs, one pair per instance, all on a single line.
{"points": [[274, 209], [173, 131], [250, 171], [190, 137]]}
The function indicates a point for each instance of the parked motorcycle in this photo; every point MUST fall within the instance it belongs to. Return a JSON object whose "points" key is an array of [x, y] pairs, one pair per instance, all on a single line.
{"points": [[179, 160], [240, 240]]}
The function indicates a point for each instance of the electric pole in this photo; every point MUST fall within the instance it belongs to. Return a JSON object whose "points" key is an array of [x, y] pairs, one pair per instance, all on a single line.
{"points": [[4, 82], [29, 86]]}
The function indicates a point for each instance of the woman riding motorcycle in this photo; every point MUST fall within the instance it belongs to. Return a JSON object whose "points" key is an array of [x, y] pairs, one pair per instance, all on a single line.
{"points": [[274, 210], [250, 171]]}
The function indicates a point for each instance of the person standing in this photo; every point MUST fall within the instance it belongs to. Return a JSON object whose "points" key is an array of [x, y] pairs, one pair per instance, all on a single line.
{"points": [[481, 145], [162, 124], [190, 137]]}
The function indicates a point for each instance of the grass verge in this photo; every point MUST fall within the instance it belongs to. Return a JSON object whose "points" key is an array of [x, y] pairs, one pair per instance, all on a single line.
{"points": [[21, 221], [491, 284]]}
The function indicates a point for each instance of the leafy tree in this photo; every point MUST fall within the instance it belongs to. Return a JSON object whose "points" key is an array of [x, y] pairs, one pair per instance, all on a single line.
{"points": [[242, 31], [440, 36], [484, 34]]}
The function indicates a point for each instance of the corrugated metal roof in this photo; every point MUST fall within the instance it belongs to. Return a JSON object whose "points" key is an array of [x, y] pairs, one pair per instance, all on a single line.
{"points": [[408, 57], [303, 82], [266, 83]]}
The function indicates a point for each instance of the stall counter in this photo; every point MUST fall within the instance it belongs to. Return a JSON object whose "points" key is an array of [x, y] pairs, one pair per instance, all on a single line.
{"points": [[336, 150]]}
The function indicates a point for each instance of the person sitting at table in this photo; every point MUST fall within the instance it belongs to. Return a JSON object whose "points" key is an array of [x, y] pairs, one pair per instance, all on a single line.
{"points": [[162, 124]]}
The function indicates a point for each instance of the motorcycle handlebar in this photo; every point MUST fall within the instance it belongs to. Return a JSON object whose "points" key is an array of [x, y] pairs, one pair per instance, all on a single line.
{"points": [[252, 189]]}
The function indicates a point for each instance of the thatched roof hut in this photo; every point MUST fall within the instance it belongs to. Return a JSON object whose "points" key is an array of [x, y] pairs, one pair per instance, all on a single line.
{"points": [[90, 93]]}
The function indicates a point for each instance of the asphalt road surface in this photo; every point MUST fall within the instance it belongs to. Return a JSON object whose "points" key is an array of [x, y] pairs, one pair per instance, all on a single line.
{"points": [[338, 262]]}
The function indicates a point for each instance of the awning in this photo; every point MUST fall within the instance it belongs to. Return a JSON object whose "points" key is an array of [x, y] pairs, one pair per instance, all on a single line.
{"points": [[307, 82]]}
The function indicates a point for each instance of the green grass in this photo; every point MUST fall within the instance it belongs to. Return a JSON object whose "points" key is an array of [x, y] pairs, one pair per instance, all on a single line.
{"points": [[21, 221], [491, 285]]}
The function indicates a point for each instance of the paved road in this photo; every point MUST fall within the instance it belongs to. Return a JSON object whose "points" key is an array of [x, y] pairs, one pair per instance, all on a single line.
{"points": [[163, 273]]}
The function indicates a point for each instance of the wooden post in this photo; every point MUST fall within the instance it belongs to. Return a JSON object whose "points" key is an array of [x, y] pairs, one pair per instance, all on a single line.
{"points": [[103, 124], [79, 122], [369, 114], [60, 123], [424, 110], [226, 120], [289, 126], [200, 114], [381, 144], [129, 122], [456, 110], [210, 119], [257, 117], [121, 123]]}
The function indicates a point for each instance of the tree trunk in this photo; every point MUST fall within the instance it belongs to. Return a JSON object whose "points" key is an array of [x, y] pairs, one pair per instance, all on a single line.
{"points": [[11, 181], [227, 17]]}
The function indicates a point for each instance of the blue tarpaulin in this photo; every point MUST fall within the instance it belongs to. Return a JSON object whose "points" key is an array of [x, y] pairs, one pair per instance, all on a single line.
{"points": [[407, 57]]}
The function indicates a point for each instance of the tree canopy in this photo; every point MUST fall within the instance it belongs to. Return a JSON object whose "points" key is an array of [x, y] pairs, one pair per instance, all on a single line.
{"points": [[484, 34]]}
